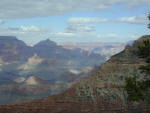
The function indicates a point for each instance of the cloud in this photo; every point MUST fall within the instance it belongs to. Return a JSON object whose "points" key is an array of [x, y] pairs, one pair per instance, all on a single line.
{"points": [[132, 20], [138, 3], [80, 28], [86, 20], [36, 8], [109, 36], [30, 28], [27, 29], [32, 36], [2, 21], [84, 35], [112, 35], [62, 35]]}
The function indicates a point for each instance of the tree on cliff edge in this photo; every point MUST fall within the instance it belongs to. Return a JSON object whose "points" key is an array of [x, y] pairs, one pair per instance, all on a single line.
{"points": [[138, 88]]}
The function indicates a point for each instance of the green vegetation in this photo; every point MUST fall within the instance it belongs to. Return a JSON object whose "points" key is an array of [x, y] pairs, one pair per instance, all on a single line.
{"points": [[137, 87]]}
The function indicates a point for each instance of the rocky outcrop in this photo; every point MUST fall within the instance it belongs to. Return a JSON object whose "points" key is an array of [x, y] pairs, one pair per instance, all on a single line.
{"points": [[34, 80], [100, 93], [12, 49]]}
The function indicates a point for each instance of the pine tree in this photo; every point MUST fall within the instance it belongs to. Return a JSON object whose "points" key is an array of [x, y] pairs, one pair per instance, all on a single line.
{"points": [[138, 88]]}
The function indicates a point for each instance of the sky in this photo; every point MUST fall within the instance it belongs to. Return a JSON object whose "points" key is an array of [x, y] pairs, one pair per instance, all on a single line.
{"points": [[74, 20]]}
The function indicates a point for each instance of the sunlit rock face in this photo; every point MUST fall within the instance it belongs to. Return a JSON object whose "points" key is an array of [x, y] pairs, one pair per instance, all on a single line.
{"points": [[31, 63], [34, 80]]}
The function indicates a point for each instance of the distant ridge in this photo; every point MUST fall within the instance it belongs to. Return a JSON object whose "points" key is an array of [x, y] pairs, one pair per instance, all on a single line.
{"points": [[46, 60]]}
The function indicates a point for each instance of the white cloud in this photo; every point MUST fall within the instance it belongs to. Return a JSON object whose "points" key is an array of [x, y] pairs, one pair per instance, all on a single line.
{"points": [[62, 35], [2, 21], [138, 3], [132, 20], [35, 8], [30, 28], [108, 36], [86, 20], [84, 35], [80, 28], [27, 29]]}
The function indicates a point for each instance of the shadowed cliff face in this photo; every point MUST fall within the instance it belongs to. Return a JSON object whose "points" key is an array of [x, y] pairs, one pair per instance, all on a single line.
{"points": [[103, 90], [12, 49]]}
